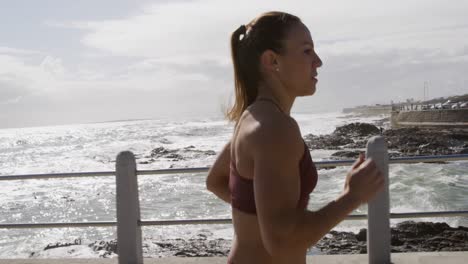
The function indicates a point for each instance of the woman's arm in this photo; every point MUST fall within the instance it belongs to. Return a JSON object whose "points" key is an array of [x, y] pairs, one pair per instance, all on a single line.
{"points": [[217, 180], [283, 226]]}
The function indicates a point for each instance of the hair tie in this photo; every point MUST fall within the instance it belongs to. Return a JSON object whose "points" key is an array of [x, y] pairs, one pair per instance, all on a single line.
{"points": [[242, 30]]}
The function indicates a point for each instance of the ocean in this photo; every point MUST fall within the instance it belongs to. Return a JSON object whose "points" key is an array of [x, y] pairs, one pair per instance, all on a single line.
{"points": [[93, 147]]}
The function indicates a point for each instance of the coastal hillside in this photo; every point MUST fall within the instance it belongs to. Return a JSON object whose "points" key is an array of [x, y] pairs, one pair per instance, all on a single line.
{"points": [[387, 108], [453, 99]]}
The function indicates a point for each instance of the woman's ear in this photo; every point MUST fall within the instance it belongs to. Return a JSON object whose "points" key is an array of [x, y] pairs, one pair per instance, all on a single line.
{"points": [[269, 61]]}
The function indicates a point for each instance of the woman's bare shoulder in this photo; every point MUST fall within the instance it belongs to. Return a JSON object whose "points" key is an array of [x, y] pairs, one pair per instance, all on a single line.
{"points": [[271, 131]]}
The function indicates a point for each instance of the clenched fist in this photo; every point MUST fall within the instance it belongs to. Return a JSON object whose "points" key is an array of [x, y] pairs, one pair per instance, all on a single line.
{"points": [[364, 180]]}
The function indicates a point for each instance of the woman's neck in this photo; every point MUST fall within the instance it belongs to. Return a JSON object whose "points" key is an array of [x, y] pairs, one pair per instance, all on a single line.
{"points": [[278, 95]]}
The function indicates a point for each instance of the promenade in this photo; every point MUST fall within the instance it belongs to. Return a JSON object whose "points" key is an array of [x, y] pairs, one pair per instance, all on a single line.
{"points": [[397, 258]]}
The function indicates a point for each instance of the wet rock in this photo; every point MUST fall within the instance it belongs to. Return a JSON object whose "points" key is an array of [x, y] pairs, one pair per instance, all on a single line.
{"points": [[60, 244], [417, 141], [174, 156], [165, 141], [108, 246], [413, 229], [362, 235], [357, 144], [162, 152], [66, 198], [201, 152], [402, 141], [357, 130], [463, 151], [326, 141], [198, 247], [352, 135], [209, 152], [352, 154], [188, 152], [407, 236], [21, 142]]}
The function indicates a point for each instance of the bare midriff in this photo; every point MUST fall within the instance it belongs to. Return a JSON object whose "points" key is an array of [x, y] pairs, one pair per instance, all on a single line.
{"points": [[247, 245]]}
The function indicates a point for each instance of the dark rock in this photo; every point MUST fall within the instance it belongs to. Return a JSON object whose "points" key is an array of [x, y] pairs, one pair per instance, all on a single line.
{"points": [[165, 141], [403, 141], [357, 130], [326, 141], [21, 142], [417, 141], [346, 154], [162, 152], [198, 247], [176, 154], [362, 235], [407, 236], [209, 152], [358, 144], [174, 157], [463, 151], [60, 244], [458, 135], [350, 135], [108, 246], [421, 228]]}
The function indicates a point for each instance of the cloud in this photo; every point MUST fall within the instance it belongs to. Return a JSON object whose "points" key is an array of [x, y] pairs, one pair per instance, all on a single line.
{"points": [[174, 57], [42, 76], [52, 66], [395, 75], [11, 101], [11, 93], [15, 51], [202, 28]]}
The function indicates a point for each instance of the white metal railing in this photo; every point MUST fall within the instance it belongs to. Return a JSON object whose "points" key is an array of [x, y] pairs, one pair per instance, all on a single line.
{"points": [[217, 221], [128, 209], [318, 164]]}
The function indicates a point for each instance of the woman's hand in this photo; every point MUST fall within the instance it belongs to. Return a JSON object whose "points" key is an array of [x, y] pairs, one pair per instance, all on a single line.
{"points": [[364, 180]]}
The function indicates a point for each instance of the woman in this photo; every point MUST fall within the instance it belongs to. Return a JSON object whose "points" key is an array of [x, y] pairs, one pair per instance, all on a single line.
{"points": [[265, 172]]}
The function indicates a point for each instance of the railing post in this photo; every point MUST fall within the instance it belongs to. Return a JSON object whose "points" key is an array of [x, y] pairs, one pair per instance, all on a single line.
{"points": [[378, 224], [128, 210]]}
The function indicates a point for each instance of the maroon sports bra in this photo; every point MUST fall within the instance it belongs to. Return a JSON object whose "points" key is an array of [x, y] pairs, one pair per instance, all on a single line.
{"points": [[242, 191]]}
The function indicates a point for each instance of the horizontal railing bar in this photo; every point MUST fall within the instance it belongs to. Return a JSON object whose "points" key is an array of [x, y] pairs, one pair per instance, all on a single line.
{"points": [[348, 218], [185, 222], [57, 175], [220, 221], [319, 164], [333, 163], [173, 171], [429, 214], [325, 164], [59, 225], [440, 158]]}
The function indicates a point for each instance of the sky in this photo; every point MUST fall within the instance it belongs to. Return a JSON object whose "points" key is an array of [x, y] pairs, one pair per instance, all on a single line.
{"points": [[66, 62]]}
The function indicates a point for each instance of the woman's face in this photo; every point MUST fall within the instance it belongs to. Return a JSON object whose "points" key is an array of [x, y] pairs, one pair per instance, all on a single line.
{"points": [[298, 63]]}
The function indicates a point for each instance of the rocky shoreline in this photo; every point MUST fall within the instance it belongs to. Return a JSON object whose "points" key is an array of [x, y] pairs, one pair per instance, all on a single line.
{"points": [[407, 236], [349, 140]]}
